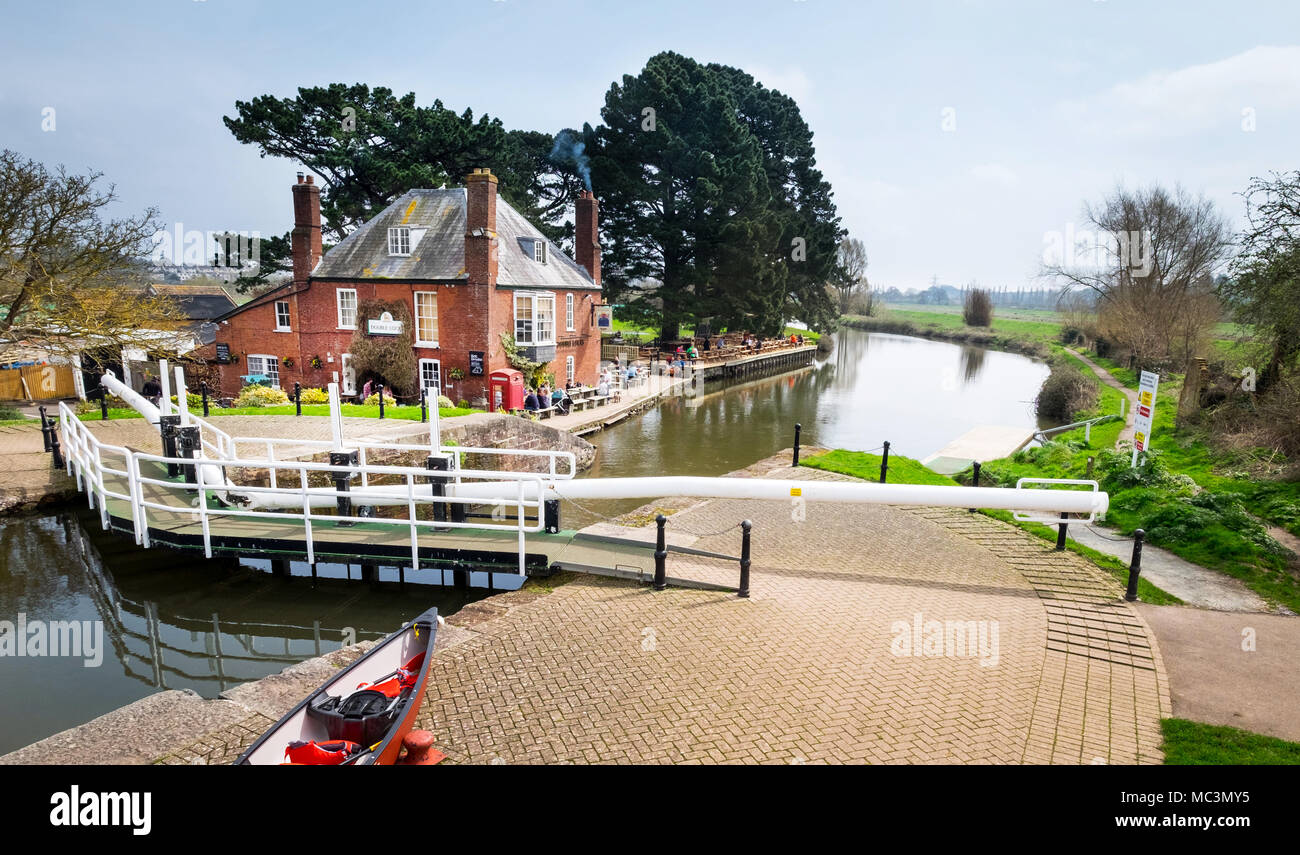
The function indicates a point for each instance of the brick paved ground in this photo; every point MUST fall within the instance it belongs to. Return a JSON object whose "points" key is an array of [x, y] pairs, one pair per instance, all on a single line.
{"points": [[808, 669]]}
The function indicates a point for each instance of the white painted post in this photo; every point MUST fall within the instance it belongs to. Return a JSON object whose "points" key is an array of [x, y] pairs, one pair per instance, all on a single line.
{"points": [[336, 417], [435, 430], [165, 405], [182, 403], [1087, 432]]}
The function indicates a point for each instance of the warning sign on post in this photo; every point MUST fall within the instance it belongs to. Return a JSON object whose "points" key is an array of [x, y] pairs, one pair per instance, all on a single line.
{"points": [[1146, 408]]}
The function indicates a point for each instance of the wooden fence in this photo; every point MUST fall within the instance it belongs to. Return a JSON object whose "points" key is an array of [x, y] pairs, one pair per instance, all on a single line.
{"points": [[37, 383]]}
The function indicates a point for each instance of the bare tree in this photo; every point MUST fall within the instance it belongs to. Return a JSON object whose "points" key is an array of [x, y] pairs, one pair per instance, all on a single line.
{"points": [[1152, 265], [850, 271], [68, 278], [1264, 288]]}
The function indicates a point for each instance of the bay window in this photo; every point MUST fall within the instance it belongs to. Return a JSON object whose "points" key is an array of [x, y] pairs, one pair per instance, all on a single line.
{"points": [[534, 318]]}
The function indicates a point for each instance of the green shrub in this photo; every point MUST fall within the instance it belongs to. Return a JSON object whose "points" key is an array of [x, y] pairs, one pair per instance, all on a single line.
{"points": [[464, 405], [193, 400], [1066, 391], [8, 412], [445, 402], [315, 396], [260, 396], [373, 400]]}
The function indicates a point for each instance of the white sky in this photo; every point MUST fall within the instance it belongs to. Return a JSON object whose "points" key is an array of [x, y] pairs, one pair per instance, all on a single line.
{"points": [[1054, 101]]}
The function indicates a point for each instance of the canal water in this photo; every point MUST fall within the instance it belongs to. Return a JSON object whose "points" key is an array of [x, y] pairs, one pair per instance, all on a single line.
{"points": [[169, 620], [918, 394]]}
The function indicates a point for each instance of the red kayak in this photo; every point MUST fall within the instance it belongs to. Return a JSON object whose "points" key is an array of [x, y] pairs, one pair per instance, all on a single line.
{"points": [[360, 716]]}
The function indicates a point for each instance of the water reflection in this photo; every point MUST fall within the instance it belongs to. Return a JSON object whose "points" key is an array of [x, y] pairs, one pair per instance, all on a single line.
{"points": [[171, 620], [972, 362], [918, 394]]}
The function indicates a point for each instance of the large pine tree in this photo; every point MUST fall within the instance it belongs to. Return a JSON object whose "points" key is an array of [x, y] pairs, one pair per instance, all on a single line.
{"points": [[709, 190]]}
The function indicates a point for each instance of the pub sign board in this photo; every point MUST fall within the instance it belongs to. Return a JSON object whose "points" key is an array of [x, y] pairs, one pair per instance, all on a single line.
{"points": [[477, 358], [384, 325]]}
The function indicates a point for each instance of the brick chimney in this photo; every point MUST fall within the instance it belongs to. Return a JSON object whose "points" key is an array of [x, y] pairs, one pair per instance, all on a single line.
{"points": [[481, 227], [587, 237], [305, 242]]}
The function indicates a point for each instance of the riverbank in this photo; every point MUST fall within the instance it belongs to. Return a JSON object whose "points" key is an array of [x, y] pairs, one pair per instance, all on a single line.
{"points": [[1028, 338], [1210, 507]]}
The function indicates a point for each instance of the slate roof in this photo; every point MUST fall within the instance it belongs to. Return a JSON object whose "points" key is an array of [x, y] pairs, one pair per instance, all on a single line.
{"points": [[439, 254], [197, 302]]}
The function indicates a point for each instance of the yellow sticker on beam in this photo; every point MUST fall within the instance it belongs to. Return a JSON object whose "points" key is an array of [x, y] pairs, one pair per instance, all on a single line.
{"points": [[796, 491]]}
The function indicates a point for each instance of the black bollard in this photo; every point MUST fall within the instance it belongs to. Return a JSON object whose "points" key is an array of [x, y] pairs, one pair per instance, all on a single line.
{"points": [[1060, 533], [297, 398], [798, 428], [45, 429], [884, 463], [1135, 566], [745, 528], [551, 515], [103, 404], [975, 467], [341, 479], [661, 555], [55, 450], [203, 390], [381, 400], [424, 405]]}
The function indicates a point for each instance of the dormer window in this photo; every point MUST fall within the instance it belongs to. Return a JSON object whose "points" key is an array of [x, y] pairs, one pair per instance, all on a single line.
{"points": [[399, 241], [539, 251]]}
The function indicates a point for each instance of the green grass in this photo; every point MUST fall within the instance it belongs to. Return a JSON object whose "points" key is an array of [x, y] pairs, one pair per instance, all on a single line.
{"points": [[808, 335], [370, 411], [1190, 743], [1216, 534], [864, 465]]}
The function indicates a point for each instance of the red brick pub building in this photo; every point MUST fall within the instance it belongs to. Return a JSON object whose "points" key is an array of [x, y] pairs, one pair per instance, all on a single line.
{"points": [[468, 266]]}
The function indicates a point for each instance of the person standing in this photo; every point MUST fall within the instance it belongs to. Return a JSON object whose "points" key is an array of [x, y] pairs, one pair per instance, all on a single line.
{"points": [[151, 389]]}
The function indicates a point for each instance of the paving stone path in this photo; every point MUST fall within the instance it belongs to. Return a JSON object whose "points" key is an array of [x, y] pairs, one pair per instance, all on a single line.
{"points": [[815, 666]]}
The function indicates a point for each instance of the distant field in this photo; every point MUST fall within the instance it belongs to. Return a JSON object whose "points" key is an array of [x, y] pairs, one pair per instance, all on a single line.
{"points": [[1050, 315], [1044, 325]]}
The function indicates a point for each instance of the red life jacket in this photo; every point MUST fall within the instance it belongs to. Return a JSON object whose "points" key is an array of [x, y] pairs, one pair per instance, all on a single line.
{"points": [[404, 678], [320, 753]]}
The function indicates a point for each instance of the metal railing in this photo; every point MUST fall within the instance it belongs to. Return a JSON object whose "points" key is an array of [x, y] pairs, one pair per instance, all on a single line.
{"points": [[205, 499]]}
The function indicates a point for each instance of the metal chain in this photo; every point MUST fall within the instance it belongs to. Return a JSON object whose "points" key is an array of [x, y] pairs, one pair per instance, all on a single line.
{"points": [[731, 527], [1105, 537]]}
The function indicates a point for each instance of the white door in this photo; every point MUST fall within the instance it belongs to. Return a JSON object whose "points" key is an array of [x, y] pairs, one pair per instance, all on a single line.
{"points": [[349, 376]]}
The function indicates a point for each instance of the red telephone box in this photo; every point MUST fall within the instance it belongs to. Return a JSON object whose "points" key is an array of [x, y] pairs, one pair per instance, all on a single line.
{"points": [[507, 390]]}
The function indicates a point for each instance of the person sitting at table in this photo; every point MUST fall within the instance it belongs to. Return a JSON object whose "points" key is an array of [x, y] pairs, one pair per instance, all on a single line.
{"points": [[691, 352], [531, 404], [708, 344], [602, 387], [631, 374]]}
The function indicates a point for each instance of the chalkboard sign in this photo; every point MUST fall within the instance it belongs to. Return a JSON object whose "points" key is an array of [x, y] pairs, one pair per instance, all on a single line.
{"points": [[223, 353], [476, 360]]}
